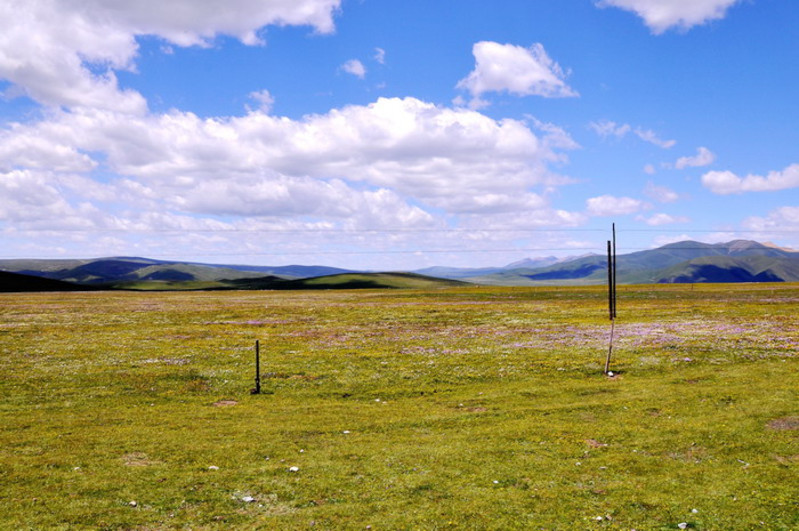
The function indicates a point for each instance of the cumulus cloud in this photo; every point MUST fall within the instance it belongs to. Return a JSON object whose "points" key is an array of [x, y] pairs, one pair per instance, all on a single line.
{"points": [[455, 160], [34, 152], [354, 67], [661, 15], [514, 69], [727, 182], [99, 159], [65, 53], [36, 198], [608, 205], [703, 157]]}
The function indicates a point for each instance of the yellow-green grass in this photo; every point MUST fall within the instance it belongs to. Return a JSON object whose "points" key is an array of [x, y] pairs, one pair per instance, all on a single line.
{"points": [[472, 408]]}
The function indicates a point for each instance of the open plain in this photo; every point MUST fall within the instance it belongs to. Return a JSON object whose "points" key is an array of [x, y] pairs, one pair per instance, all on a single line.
{"points": [[471, 408]]}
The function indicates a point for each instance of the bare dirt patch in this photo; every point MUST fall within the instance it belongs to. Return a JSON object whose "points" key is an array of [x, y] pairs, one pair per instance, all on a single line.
{"points": [[784, 423], [225, 403], [137, 459]]}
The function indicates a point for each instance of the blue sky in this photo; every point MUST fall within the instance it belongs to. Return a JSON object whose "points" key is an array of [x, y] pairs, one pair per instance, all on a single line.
{"points": [[394, 134]]}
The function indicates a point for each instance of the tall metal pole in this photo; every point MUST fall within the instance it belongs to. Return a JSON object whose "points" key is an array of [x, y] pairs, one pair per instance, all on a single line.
{"points": [[614, 270], [257, 389], [610, 348], [610, 281], [611, 296]]}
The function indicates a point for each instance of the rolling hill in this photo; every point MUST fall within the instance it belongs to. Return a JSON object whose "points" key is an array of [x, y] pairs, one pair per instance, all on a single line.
{"points": [[15, 282], [111, 272], [271, 282], [682, 262]]}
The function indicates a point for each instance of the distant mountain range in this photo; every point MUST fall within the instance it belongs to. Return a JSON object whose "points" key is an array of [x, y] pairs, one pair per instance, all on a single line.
{"points": [[683, 262]]}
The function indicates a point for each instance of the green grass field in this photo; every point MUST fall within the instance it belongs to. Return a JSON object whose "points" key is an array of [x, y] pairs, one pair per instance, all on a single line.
{"points": [[470, 408]]}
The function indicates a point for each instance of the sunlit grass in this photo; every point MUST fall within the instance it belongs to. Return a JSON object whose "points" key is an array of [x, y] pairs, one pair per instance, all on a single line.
{"points": [[472, 408]]}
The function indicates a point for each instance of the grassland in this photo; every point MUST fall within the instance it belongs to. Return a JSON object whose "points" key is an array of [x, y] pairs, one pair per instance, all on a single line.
{"points": [[470, 408]]}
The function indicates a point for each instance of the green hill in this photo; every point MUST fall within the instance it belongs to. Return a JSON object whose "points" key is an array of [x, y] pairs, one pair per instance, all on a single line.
{"points": [[15, 282], [377, 280], [271, 282]]}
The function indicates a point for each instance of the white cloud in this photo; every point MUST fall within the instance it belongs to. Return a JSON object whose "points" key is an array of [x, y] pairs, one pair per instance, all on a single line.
{"points": [[661, 15], [722, 182], [34, 152], [647, 135], [455, 160], [289, 197], [380, 56], [494, 203], [537, 217], [606, 128], [726, 182], [703, 157], [608, 205], [354, 67], [555, 137], [661, 194], [25, 192], [65, 53], [659, 219], [780, 219], [98, 159], [649, 169], [37, 199], [516, 70], [265, 100]]}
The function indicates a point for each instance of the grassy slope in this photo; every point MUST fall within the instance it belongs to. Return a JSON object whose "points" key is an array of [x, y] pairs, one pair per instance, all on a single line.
{"points": [[341, 281], [472, 408], [14, 282], [378, 280]]}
